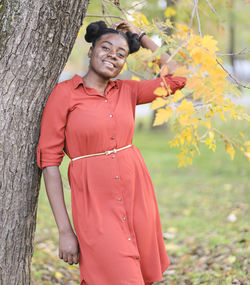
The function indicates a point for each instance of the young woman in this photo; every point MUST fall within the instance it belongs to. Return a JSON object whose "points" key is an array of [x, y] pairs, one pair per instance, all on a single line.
{"points": [[118, 237]]}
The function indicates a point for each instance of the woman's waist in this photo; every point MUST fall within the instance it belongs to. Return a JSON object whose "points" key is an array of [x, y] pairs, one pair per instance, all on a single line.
{"points": [[105, 151]]}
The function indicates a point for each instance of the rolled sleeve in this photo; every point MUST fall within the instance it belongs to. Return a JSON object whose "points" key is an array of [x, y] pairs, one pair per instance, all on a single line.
{"points": [[50, 148], [144, 90]]}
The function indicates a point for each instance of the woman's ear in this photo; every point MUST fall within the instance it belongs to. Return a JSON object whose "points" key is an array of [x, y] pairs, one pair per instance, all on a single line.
{"points": [[90, 52]]}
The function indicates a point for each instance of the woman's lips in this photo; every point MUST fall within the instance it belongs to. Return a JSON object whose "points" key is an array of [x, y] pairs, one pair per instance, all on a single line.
{"points": [[108, 63]]}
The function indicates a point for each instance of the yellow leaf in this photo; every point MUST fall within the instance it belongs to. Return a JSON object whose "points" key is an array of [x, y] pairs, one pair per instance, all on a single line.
{"points": [[58, 275], [177, 96], [229, 149], [160, 91], [182, 28], [140, 19], [209, 43], [169, 12], [194, 82], [124, 68], [185, 106], [163, 115], [158, 102], [135, 78], [242, 135]]}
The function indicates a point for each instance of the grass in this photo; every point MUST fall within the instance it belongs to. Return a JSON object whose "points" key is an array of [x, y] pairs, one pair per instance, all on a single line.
{"points": [[204, 212]]}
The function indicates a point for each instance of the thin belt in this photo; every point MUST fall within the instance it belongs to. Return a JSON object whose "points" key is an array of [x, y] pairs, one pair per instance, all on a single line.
{"points": [[107, 152]]}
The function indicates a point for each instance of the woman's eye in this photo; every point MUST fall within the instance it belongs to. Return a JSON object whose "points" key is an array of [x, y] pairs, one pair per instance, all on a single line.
{"points": [[121, 55], [105, 48]]}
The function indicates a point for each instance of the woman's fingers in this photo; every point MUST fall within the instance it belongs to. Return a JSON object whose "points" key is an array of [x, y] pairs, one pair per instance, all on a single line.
{"points": [[70, 259], [124, 26], [65, 257], [68, 247], [76, 258]]}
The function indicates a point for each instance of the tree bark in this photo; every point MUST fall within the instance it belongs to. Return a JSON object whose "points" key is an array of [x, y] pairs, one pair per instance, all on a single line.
{"points": [[36, 38]]}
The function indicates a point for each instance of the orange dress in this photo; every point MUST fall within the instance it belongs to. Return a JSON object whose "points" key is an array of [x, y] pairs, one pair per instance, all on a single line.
{"points": [[114, 207]]}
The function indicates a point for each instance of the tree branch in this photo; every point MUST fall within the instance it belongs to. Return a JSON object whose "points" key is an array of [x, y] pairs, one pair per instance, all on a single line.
{"points": [[214, 11], [243, 51], [232, 76], [103, 16], [197, 16], [107, 11]]}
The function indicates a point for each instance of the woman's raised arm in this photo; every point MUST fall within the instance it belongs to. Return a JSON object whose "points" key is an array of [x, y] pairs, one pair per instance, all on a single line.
{"points": [[147, 43]]}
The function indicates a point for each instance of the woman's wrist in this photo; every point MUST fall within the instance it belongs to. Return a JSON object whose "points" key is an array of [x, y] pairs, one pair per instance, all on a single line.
{"points": [[140, 35]]}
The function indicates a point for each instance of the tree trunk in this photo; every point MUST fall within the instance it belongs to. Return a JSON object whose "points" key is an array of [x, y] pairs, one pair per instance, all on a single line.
{"points": [[36, 38]]}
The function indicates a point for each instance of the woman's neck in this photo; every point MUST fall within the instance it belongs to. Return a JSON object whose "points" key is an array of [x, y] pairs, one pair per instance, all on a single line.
{"points": [[94, 81]]}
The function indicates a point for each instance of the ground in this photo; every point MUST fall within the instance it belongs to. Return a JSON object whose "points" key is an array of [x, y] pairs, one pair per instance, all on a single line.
{"points": [[204, 212]]}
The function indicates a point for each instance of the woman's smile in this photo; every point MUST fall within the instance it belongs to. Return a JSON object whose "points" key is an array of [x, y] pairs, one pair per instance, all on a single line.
{"points": [[109, 63]]}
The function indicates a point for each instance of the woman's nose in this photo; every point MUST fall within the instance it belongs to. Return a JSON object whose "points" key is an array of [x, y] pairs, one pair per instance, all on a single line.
{"points": [[112, 53]]}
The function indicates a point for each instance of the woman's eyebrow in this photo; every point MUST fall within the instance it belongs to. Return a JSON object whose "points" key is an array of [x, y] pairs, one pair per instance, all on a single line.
{"points": [[112, 44]]}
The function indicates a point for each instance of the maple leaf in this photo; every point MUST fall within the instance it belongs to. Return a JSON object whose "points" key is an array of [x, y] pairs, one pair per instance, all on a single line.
{"points": [[161, 91], [158, 102], [163, 115]]}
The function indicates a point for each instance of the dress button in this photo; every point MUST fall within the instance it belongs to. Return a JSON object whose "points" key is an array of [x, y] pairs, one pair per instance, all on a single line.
{"points": [[119, 198], [112, 138], [106, 101], [116, 177], [110, 115], [137, 257], [124, 218], [113, 156], [129, 238]]}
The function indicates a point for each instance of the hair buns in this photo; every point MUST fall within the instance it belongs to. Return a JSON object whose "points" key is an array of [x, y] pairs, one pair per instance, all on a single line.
{"points": [[94, 31], [133, 42], [97, 29]]}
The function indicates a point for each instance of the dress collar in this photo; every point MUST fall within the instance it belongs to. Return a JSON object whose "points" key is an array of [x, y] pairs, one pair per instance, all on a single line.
{"points": [[78, 80]]}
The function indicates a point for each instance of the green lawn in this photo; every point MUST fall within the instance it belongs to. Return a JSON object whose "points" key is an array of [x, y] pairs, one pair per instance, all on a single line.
{"points": [[204, 212]]}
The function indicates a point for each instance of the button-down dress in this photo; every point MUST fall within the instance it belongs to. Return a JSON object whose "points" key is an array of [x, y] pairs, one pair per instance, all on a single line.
{"points": [[114, 207]]}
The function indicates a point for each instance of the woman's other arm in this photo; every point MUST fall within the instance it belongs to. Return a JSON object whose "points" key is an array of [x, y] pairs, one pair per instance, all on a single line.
{"points": [[68, 244], [147, 43]]}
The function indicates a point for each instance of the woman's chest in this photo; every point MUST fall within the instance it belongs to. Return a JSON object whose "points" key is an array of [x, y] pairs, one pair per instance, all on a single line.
{"points": [[95, 113]]}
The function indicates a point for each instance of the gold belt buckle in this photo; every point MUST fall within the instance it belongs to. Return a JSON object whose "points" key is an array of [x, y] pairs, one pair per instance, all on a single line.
{"points": [[107, 152]]}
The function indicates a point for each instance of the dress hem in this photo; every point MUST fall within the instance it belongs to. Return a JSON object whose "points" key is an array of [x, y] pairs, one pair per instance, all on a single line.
{"points": [[160, 278]]}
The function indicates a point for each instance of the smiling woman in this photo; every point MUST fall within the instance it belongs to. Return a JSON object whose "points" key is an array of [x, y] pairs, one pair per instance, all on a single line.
{"points": [[118, 238], [108, 57]]}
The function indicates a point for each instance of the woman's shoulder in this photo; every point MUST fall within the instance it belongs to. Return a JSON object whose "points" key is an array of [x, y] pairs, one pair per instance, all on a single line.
{"points": [[65, 86]]}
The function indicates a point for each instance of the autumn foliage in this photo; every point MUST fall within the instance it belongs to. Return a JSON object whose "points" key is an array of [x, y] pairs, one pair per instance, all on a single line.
{"points": [[207, 96]]}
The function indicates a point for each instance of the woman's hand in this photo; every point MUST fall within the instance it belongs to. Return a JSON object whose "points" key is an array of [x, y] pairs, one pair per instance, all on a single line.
{"points": [[124, 26], [68, 247]]}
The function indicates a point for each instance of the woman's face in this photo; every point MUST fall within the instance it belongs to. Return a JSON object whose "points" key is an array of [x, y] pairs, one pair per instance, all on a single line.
{"points": [[108, 55]]}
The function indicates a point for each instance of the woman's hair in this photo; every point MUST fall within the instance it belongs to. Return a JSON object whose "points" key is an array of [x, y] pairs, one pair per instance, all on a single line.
{"points": [[96, 29]]}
